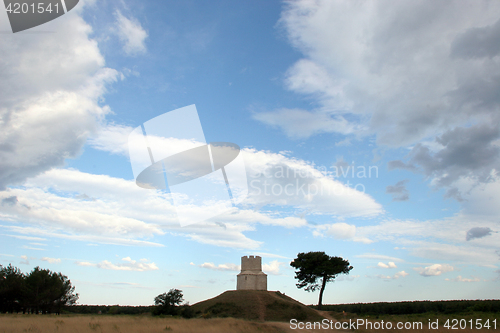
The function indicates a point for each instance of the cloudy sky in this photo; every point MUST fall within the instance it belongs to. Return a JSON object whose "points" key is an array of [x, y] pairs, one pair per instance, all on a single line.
{"points": [[369, 130]]}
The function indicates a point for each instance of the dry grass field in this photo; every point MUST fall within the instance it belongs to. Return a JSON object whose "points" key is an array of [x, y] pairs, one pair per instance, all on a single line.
{"points": [[147, 324], [127, 324]]}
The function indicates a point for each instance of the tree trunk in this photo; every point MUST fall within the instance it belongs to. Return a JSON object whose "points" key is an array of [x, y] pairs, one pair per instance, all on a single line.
{"points": [[320, 303]]}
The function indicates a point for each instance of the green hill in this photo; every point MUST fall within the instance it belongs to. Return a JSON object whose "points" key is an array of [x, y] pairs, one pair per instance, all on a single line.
{"points": [[256, 305]]}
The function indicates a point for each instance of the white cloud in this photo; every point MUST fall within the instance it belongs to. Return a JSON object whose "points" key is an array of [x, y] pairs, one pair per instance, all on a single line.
{"points": [[273, 267], [117, 216], [391, 264], [362, 59], [50, 91], [440, 240], [393, 277], [344, 277], [27, 238], [131, 33], [400, 274], [274, 178], [461, 279], [51, 260], [127, 264], [84, 263], [221, 267], [336, 230], [434, 270], [378, 257]]}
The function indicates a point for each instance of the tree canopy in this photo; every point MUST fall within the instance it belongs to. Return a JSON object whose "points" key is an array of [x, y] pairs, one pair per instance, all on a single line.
{"points": [[167, 303], [40, 291], [315, 269]]}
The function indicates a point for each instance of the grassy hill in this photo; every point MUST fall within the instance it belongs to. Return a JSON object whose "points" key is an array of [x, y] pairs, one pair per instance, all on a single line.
{"points": [[255, 305]]}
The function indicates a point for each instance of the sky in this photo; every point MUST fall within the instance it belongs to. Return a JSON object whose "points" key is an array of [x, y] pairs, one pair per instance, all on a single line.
{"points": [[369, 130]]}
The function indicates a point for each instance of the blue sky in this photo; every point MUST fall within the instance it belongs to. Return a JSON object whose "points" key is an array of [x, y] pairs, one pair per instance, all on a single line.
{"points": [[408, 91]]}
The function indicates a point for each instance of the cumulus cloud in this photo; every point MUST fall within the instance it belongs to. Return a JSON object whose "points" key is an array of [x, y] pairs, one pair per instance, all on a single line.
{"points": [[434, 270], [398, 191], [117, 215], [360, 63], [462, 152], [131, 33], [25, 260], [478, 232], [363, 59], [277, 179], [477, 42], [84, 263], [336, 230], [127, 264], [391, 264], [221, 267], [400, 274], [273, 267], [51, 86], [51, 260]]}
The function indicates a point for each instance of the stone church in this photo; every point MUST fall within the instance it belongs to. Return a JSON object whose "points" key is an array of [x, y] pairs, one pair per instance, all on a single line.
{"points": [[251, 276]]}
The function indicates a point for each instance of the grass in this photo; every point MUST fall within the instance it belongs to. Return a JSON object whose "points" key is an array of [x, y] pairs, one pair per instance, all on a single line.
{"points": [[256, 305], [127, 324]]}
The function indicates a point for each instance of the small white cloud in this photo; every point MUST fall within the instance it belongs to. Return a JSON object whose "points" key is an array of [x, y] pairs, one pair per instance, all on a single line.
{"points": [[84, 263], [273, 267], [26, 261], [131, 33], [461, 279], [51, 260], [33, 248], [127, 265], [401, 274], [220, 267], [391, 264], [336, 230], [378, 256], [434, 270], [346, 277], [395, 276]]}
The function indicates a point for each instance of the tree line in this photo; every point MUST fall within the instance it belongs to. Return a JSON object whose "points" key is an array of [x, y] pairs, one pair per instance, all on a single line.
{"points": [[109, 309], [40, 291], [404, 308]]}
